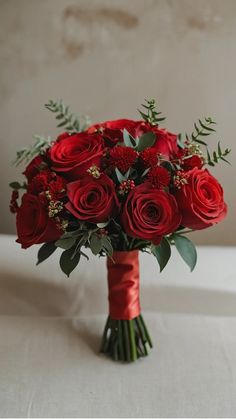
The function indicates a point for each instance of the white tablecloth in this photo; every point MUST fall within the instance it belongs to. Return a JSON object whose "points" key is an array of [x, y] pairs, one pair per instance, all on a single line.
{"points": [[50, 330]]}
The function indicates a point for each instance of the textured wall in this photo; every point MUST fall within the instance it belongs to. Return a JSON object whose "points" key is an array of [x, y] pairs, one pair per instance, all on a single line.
{"points": [[103, 57]]}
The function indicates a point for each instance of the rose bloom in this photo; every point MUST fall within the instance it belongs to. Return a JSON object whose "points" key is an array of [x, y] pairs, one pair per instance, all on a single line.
{"points": [[73, 155], [112, 131], [92, 199], [201, 200], [33, 223], [149, 213]]}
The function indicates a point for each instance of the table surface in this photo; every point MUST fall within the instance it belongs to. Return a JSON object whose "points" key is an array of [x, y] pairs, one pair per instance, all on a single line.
{"points": [[50, 330]]}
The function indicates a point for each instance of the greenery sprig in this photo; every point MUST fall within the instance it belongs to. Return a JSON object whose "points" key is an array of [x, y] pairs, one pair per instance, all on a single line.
{"points": [[68, 120], [152, 116], [202, 129], [217, 156], [27, 154]]}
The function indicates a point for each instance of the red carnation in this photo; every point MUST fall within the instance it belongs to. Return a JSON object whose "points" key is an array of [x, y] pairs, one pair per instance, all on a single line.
{"points": [[122, 158], [149, 157], [159, 177], [47, 181]]}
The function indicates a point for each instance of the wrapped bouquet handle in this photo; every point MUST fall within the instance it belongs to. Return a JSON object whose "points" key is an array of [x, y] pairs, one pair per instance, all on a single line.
{"points": [[118, 188], [125, 336]]}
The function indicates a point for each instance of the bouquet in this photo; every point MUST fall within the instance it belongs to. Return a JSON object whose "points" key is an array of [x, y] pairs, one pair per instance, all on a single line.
{"points": [[117, 188]]}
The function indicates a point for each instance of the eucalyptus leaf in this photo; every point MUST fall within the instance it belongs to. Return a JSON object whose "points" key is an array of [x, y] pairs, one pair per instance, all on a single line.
{"points": [[102, 225], [65, 243], [96, 244], [162, 253], [106, 244], [121, 178], [128, 139], [145, 141], [46, 250], [15, 185], [69, 260], [186, 250]]}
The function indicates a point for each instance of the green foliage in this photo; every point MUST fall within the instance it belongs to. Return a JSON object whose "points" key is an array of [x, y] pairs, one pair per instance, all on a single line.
{"points": [[202, 129], [16, 185], [129, 141], [67, 120], [65, 242], [46, 250], [162, 252], [186, 250], [145, 141], [152, 115], [69, 260], [27, 154], [100, 244], [121, 178], [217, 156]]}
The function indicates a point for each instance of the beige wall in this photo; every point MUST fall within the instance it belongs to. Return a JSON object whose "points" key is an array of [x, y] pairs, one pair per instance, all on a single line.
{"points": [[103, 57]]}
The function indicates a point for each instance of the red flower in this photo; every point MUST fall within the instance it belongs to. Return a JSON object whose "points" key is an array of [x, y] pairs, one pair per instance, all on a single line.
{"points": [[13, 203], [122, 158], [92, 199], [73, 155], [112, 131], [149, 157], [33, 223], [34, 167], [201, 200], [191, 162], [150, 214], [48, 181], [159, 177], [166, 142]]}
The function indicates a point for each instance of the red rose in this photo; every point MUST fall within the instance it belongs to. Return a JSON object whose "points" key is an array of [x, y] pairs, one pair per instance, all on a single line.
{"points": [[150, 214], [166, 142], [92, 199], [201, 200], [34, 167], [74, 154], [112, 131], [33, 223], [191, 162]]}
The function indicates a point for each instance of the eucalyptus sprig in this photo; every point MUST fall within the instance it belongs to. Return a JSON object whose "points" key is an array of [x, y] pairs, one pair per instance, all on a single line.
{"points": [[27, 154], [68, 120], [203, 128], [217, 156], [152, 116]]}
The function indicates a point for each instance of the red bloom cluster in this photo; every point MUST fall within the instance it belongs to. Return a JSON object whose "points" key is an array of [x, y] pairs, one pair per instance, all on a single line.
{"points": [[75, 181]]}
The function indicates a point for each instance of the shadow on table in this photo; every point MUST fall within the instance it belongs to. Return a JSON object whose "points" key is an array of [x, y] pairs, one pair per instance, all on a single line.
{"points": [[34, 297]]}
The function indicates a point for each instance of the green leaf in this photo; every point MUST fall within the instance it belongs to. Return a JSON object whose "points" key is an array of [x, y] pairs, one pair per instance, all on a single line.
{"points": [[186, 250], [145, 141], [106, 244], [96, 244], [15, 185], [162, 253], [120, 176], [46, 250], [69, 260], [66, 242], [128, 139]]}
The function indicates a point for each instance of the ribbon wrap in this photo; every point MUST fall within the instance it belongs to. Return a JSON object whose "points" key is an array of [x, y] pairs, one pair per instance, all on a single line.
{"points": [[123, 285]]}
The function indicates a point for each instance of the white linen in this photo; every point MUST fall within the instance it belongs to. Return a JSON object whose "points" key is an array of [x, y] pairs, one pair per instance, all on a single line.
{"points": [[51, 326]]}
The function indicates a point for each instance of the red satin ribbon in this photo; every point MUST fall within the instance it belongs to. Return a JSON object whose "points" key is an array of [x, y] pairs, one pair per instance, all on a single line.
{"points": [[123, 285]]}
